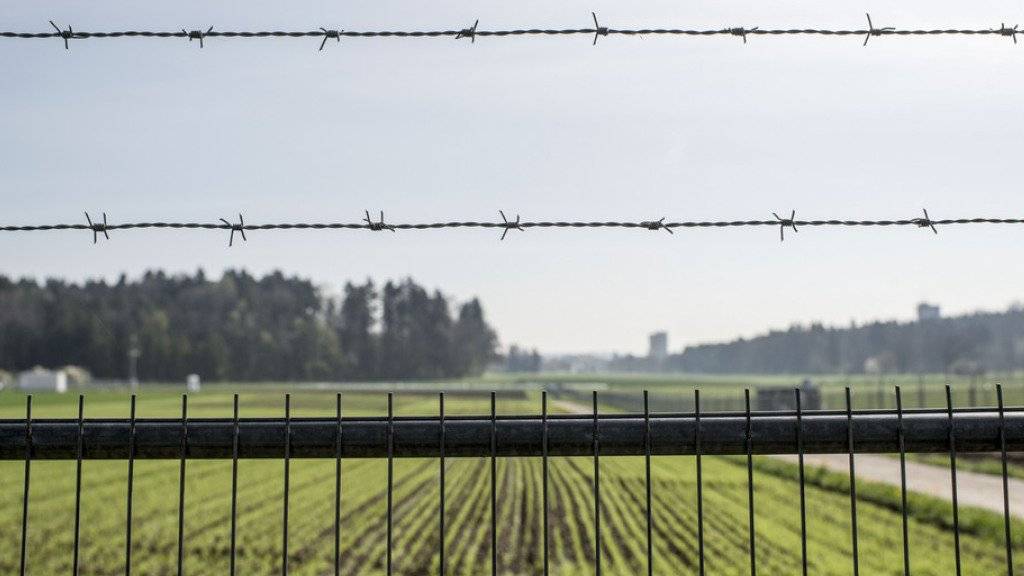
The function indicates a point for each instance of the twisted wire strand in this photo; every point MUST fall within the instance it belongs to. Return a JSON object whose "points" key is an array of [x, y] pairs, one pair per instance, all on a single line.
{"points": [[374, 226], [468, 33]]}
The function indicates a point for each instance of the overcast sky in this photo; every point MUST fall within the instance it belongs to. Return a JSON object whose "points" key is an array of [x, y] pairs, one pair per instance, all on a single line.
{"points": [[550, 128]]}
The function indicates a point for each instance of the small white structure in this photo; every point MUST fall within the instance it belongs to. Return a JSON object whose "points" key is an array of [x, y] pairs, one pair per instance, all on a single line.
{"points": [[192, 383], [40, 379]]}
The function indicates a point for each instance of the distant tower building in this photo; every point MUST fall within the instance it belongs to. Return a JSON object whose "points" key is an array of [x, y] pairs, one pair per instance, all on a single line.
{"points": [[926, 311], [658, 343]]}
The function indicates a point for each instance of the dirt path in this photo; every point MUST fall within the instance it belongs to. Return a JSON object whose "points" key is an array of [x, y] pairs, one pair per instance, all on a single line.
{"points": [[973, 489], [570, 407]]}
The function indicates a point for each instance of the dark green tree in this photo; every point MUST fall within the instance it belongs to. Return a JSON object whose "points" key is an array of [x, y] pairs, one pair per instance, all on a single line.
{"points": [[474, 342], [238, 328], [354, 327]]}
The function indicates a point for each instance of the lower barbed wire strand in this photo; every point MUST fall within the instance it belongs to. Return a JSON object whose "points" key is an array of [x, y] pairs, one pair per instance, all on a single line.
{"points": [[522, 225]]}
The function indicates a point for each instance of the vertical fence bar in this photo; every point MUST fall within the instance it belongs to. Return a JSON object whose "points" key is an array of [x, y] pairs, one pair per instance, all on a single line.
{"points": [[234, 483], [287, 480], [337, 487], [28, 483], [903, 482], [181, 485], [952, 476], [544, 471], [750, 487], [391, 472], [698, 433], [1006, 487], [131, 490], [853, 482], [494, 484], [597, 492], [803, 498], [647, 481], [441, 471], [78, 484]]}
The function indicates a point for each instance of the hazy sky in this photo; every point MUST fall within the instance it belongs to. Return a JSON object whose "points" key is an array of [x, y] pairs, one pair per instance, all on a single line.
{"points": [[550, 128]]}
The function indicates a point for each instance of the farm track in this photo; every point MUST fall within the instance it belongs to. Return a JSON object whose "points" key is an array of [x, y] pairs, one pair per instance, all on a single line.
{"points": [[974, 489]]}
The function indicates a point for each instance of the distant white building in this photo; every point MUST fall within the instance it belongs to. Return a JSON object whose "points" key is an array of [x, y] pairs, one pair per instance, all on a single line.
{"points": [[40, 379]]}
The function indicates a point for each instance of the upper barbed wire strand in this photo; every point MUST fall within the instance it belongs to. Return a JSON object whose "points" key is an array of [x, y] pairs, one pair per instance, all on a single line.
{"points": [[319, 33]]}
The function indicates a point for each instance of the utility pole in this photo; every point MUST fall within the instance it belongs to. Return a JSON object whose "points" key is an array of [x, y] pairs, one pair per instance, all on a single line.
{"points": [[133, 362], [921, 401]]}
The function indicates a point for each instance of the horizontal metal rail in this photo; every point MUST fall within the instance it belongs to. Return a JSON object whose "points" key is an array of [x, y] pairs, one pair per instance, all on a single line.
{"points": [[876, 431]]}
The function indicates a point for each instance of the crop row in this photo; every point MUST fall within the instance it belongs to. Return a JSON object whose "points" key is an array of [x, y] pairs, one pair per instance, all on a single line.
{"points": [[416, 538]]}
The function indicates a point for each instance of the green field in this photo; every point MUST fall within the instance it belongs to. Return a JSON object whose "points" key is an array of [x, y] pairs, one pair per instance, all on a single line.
{"points": [[416, 537], [674, 392]]}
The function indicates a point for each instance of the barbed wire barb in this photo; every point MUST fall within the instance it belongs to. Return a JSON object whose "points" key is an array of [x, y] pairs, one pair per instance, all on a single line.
{"points": [[377, 226], [240, 228], [786, 223], [1011, 32], [69, 34], [97, 228], [328, 34], [655, 225], [872, 31], [926, 222], [197, 35], [509, 224], [468, 33], [598, 29], [742, 32]]}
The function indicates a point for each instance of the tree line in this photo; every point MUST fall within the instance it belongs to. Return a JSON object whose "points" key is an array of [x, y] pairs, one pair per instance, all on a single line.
{"points": [[242, 328], [992, 341]]}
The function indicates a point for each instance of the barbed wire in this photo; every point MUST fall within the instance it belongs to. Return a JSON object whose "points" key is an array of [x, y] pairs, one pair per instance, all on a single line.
{"points": [[505, 225], [472, 33]]}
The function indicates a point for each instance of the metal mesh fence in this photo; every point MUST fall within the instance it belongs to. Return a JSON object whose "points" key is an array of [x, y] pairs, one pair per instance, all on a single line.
{"points": [[598, 434]]}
